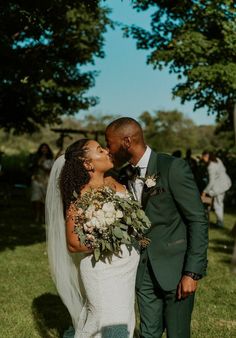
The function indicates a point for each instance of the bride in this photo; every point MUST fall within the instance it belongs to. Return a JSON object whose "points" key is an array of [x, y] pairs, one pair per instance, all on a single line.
{"points": [[100, 297]]}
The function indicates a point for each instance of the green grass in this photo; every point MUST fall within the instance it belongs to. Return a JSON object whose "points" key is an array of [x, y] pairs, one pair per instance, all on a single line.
{"points": [[30, 307], [215, 308]]}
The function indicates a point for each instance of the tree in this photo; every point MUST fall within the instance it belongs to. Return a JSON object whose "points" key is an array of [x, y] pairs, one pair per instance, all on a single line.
{"points": [[44, 46], [170, 130], [196, 39]]}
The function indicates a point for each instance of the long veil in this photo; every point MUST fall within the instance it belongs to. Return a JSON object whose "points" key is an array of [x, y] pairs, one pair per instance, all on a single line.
{"points": [[63, 265]]}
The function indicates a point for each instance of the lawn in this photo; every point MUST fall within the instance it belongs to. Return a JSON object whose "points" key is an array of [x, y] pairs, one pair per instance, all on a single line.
{"points": [[30, 307]]}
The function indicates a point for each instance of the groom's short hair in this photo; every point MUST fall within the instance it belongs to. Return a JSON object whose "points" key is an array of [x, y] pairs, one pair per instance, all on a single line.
{"points": [[124, 122]]}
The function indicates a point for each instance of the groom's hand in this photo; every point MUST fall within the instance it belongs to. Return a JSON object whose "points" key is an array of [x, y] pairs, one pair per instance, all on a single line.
{"points": [[186, 287]]}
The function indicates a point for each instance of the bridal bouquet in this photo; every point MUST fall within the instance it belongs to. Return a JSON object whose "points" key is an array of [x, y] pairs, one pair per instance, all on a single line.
{"points": [[104, 220]]}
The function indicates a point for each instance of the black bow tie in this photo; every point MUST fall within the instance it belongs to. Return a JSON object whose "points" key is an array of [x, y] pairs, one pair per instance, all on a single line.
{"points": [[132, 172]]}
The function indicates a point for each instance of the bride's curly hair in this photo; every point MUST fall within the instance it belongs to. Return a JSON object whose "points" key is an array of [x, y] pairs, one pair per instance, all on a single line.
{"points": [[74, 176]]}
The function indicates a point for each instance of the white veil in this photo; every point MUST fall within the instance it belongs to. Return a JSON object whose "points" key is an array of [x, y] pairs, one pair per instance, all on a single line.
{"points": [[63, 265]]}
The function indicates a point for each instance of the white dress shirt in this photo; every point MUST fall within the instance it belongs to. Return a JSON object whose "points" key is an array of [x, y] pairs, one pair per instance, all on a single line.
{"points": [[136, 186]]}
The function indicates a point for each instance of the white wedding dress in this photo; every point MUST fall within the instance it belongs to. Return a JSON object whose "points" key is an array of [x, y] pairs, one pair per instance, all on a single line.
{"points": [[100, 297], [110, 296]]}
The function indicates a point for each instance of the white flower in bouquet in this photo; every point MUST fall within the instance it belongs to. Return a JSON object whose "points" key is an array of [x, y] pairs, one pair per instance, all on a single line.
{"points": [[109, 208], [88, 227], [96, 222], [119, 214], [89, 212], [90, 237], [110, 212], [101, 217], [110, 220]]}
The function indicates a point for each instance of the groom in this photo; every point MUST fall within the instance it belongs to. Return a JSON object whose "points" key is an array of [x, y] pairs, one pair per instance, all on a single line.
{"points": [[176, 258]]}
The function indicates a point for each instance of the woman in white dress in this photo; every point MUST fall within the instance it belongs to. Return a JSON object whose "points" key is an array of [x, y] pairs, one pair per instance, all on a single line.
{"points": [[100, 297], [219, 183]]}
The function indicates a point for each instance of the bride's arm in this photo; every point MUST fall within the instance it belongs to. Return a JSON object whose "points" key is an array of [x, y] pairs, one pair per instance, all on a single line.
{"points": [[73, 242]]}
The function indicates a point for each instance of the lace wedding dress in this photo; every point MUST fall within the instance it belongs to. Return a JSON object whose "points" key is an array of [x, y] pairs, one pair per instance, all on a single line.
{"points": [[100, 297]]}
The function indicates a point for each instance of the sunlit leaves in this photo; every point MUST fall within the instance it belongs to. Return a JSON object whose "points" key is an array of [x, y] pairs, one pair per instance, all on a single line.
{"points": [[44, 45], [196, 40]]}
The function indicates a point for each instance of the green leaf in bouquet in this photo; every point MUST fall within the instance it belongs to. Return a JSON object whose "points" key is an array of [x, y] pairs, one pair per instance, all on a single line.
{"points": [[134, 215], [123, 226], [118, 232], [96, 254], [116, 246], [80, 234], [109, 246], [125, 241], [103, 244], [128, 220], [140, 214], [126, 235]]}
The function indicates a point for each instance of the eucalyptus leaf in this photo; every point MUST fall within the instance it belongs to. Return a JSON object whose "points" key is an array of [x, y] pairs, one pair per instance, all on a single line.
{"points": [[97, 254], [118, 232], [109, 246]]}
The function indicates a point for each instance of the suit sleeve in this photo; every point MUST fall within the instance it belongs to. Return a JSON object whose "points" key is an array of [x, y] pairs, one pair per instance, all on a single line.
{"points": [[188, 201]]}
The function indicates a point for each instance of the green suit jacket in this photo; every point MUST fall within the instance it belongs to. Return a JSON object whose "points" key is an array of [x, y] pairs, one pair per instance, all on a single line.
{"points": [[179, 232]]}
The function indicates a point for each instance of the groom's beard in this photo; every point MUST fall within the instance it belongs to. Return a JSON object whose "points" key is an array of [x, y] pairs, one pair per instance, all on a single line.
{"points": [[121, 157]]}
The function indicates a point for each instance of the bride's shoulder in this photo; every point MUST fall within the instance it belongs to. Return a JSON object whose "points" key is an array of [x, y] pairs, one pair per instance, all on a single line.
{"points": [[111, 182]]}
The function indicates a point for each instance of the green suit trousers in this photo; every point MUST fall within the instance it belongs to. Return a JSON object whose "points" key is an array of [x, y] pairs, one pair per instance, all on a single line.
{"points": [[160, 310]]}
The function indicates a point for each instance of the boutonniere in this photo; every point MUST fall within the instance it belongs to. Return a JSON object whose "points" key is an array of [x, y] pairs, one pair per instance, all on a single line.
{"points": [[150, 184], [149, 181]]}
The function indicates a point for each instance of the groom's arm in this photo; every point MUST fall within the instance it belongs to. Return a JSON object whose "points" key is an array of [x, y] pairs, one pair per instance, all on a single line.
{"points": [[186, 195]]}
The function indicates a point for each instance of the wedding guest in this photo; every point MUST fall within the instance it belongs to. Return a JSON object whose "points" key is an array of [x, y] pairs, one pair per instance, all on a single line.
{"points": [[40, 167], [219, 183], [191, 161]]}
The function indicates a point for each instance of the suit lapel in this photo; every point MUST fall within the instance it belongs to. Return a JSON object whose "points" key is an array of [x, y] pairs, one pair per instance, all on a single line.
{"points": [[151, 170]]}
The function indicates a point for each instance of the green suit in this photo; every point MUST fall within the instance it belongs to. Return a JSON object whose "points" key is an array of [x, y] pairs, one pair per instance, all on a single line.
{"points": [[179, 239]]}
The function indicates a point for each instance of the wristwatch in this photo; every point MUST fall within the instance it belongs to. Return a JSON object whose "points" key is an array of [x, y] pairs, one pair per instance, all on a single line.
{"points": [[193, 275]]}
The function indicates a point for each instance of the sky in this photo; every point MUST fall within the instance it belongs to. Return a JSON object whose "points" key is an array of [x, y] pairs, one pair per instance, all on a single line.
{"points": [[126, 85]]}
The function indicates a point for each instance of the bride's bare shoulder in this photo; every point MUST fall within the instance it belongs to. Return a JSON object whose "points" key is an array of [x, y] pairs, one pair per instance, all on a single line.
{"points": [[110, 181]]}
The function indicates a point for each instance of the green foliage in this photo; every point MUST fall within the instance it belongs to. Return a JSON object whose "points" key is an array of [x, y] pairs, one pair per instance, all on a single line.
{"points": [[44, 46], [164, 131], [169, 130], [15, 169], [196, 40], [11, 144]]}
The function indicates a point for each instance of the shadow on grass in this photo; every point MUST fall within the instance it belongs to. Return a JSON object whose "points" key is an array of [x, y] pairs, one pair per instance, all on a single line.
{"points": [[225, 243], [17, 227], [50, 315], [225, 246], [52, 319]]}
